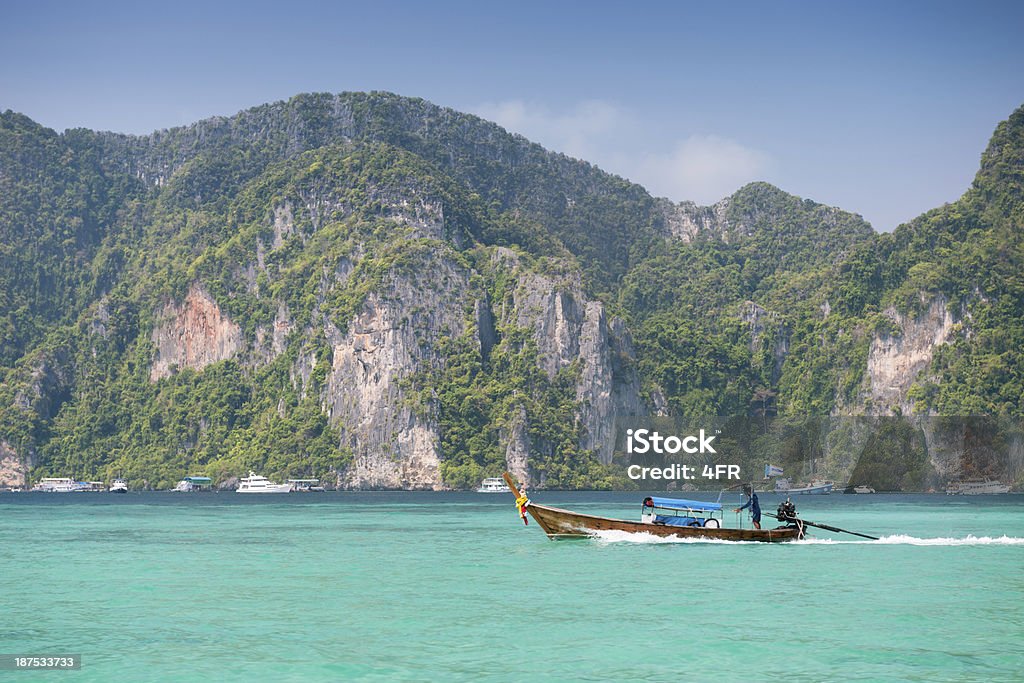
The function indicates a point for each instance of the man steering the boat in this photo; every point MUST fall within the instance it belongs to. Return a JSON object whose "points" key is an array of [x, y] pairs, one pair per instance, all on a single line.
{"points": [[753, 503]]}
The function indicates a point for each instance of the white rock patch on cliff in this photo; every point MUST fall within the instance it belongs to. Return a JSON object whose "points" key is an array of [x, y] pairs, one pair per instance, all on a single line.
{"points": [[896, 360]]}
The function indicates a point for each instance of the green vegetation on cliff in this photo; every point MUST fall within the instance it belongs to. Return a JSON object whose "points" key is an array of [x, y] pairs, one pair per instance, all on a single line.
{"points": [[293, 218]]}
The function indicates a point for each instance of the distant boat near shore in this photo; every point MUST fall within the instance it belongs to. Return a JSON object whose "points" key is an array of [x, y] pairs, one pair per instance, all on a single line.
{"points": [[493, 485], [305, 485], [119, 485], [976, 487], [255, 483], [863, 489], [818, 487], [192, 484], [58, 485]]}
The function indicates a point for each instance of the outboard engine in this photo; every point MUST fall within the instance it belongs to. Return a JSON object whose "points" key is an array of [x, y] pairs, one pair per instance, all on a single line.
{"points": [[786, 511]]}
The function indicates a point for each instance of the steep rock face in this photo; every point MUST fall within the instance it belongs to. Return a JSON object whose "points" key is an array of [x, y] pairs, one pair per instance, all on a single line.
{"points": [[49, 384], [517, 451], [13, 471], [761, 216], [193, 334], [569, 328], [609, 387], [767, 330], [686, 221], [896, 360], [271, 344], [390, 340]]}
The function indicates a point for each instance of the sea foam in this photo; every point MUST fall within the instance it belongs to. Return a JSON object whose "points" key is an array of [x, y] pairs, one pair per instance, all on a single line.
{"points": [[896, 539]]}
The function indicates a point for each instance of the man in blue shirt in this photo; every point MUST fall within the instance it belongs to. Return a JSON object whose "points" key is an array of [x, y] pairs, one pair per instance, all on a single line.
{"points": [[753, 504]]}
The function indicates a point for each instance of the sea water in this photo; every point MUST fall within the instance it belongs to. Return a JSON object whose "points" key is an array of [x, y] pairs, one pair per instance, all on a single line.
{"points": [[450, 587]]}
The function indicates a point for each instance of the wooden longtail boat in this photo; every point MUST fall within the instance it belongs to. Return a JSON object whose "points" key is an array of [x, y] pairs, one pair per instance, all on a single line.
{"points": [[691, 521]]}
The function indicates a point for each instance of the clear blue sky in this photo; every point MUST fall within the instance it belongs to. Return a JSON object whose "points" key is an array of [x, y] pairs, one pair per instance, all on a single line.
{"points": [[882, 108]]}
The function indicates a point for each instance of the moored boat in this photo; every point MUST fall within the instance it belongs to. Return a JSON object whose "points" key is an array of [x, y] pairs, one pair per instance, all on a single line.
{"points": [[190, 484], [119, 485], [666, 517], [818, 487], [306, 485], [255, 483], [976, 487], [493, 485], [863, 489], [57, 485]]}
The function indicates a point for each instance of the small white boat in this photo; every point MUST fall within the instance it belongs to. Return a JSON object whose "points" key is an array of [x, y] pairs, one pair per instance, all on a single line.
{"points": [[254, 483], [306, 485], [119, 485], [863, 489], [493, 485], [818, 487], [976, 487]]}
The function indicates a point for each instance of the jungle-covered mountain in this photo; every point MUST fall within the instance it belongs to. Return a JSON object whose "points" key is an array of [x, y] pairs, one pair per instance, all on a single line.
{"points": [[379, 290]]}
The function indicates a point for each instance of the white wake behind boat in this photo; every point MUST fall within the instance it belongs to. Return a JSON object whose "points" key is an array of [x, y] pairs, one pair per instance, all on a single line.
{"points": [[255, 483]]}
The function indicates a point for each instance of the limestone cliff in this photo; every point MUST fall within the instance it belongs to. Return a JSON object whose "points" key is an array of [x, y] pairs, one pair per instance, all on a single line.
{"points": [[570, 328], [13, 470], [898, 357], [393, 337], [193, 334]]}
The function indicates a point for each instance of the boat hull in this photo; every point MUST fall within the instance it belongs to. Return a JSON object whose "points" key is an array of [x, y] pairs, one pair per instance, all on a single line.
{"points": [[276, 488], [558, 523], [823, 490]]}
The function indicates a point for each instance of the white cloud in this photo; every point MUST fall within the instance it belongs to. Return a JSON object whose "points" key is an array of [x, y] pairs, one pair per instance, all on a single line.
{"points": [[700, 168], [580, 131]]}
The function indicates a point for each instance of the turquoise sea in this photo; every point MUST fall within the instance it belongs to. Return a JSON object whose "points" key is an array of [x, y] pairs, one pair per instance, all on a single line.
{"points": [[451, 587]]}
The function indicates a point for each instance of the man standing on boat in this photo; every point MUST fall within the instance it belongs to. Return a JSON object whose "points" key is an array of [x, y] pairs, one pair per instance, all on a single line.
{"points": [[753, 504]]}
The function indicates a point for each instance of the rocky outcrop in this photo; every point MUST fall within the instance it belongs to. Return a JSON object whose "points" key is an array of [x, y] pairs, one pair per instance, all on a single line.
{"points": [[193, 334], [569, 328], [767, 330], [517, 450], [284, 224], [686, 221], [271, 344], [897, 358], [394, 336], [13, 470], [49, 384]]}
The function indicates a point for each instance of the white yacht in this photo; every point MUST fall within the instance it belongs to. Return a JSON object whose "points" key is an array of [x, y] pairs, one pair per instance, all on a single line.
{"points": [[976, 487], [119, 485], [57, 485], [493, 485], [863, 489], [254, 483]]}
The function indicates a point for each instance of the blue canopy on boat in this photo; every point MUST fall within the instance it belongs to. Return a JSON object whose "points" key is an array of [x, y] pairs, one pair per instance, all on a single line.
{"points": [[679, 504]]}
